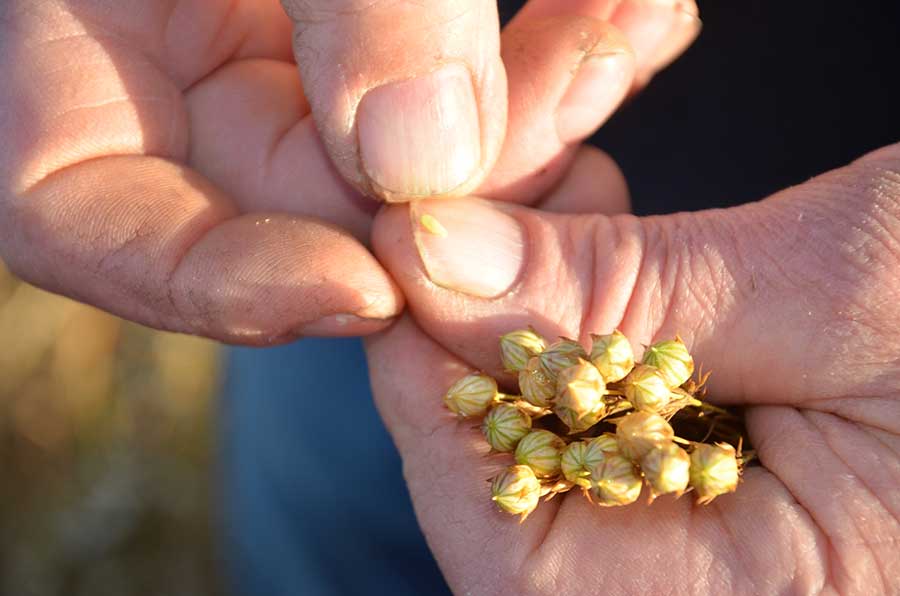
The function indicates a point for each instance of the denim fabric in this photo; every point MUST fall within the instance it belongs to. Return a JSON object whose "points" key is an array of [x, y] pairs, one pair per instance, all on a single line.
{"points": [[315, 502]]}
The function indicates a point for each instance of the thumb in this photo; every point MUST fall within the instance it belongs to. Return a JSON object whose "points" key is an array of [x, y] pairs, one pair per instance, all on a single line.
{"points": [[788, 299], [409, 97]]}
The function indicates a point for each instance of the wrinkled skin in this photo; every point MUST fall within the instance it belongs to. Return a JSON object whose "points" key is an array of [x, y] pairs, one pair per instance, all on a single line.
{"points": [[792, 302], [163, 161]]}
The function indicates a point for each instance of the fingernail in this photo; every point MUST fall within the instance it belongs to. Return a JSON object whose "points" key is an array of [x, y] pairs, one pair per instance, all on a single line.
{"points": [[599, 86], [421, 137], [468, 245], [341, 325], [658, 30]]}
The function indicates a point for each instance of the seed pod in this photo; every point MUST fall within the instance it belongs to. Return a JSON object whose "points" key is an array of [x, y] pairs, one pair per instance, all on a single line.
{"points": [[606, 442], [518, 347], [614, 481], [646, 388], [536, 388], [579, 397], [612, 355], [714, 471], [666, 468], [580, 457], [504, 426], [560, 356], [672, 359], [639, 432], [472, 395], [516, 490], [541, 450]]}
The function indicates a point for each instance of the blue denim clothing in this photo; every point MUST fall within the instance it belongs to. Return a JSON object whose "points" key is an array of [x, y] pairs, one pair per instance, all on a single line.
{"points": [[315, 502]]}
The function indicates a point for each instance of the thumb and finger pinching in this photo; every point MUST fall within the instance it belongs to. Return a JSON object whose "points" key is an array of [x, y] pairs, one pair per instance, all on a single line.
{"points": [[804, 262], [410, 97]]}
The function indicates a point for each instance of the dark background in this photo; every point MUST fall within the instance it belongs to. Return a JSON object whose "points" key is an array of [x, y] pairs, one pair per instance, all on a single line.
{"points": [[771, 94]]}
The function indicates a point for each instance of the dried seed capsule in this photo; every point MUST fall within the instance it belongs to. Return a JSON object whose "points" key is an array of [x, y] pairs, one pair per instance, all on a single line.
{"points": [[612, 355], [504, 426], [666, 468], [672, 359], [579, 398], [580, 457], [472, 395], [614, 481], [646, 388], [536, 388], [518, 347], [559, 356], [639, 432], [516, 490], [714, 471], [541, 450], [606, 442]]}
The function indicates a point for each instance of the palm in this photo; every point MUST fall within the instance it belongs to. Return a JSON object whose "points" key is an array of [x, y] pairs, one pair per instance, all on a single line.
{"points": [[820, 514]]}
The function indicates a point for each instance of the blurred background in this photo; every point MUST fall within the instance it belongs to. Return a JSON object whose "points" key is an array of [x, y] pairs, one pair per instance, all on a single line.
{"points": [[106, 451]]}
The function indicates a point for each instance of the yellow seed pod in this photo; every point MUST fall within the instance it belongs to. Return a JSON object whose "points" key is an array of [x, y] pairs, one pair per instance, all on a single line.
{"points": [[472, 395], [516, 490], [666, 469], [606, 442], [646, 389], [559, 356], [518, 347], [714, 471], [504, 426], [579, 396], [536, 388], [580, 457], [672, 359], [541, 450], [612, 355], [614, 481], [639, 432]]}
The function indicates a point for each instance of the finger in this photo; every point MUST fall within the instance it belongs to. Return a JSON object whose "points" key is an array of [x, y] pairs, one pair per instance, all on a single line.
{"points": [[608, 194], [410, 97], [445, 463], [566, 75], [155, 243], [138, 235], [747, 281], [658, 30], [252, 135]]}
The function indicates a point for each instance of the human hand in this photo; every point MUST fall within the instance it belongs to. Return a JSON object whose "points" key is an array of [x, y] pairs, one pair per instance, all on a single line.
{"points": [[792, 302], [161, 160]]}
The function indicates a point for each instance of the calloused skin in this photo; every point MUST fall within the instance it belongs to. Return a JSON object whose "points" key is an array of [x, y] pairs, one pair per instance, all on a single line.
{"points": [[793, 303], [163, 161]]}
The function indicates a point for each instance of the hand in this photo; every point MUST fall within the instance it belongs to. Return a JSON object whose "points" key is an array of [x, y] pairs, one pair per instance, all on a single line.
{"points": [[792, 302], [161, 162]]}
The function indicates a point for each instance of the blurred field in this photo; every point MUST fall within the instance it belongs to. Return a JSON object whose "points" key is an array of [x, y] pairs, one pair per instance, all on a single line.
{"points": [[106, 446]]}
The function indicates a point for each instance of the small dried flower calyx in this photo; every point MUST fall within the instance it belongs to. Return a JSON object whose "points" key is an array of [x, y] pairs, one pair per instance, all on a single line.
{"points": [[472, 395], [518, 347], [672, 359], [579, 396], [541, 451], [516, 490], [536, 387], [601, 422], [612, 355], [504, 426]]}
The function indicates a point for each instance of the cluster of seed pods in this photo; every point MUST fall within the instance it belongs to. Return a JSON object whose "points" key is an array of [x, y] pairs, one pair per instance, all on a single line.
{"points": [[596, 420]]}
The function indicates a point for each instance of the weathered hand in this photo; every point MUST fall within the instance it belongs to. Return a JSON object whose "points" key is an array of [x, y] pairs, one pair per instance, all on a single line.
{"points": [[160, 159], [792, 302]]}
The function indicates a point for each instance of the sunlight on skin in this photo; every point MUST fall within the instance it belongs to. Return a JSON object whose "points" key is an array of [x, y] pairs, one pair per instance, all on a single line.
{"points": [[819, 516], [151, 141]]}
